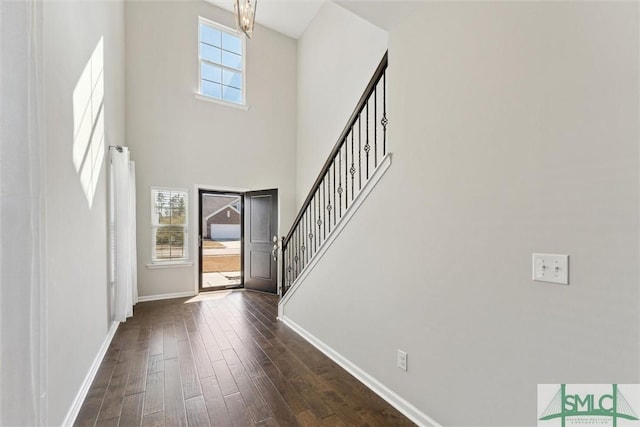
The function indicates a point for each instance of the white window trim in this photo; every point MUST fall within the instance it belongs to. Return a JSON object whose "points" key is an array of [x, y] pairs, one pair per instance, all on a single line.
{"points": [[199, 95], [175, 262], [221, 102], [170, 264]]}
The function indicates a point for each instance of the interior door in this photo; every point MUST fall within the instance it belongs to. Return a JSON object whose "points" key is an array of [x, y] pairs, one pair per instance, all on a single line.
{"points": [[261, 240]]}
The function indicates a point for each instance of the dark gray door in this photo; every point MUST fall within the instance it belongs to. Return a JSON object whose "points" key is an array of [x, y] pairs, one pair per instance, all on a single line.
{"points": [[260, 240]]}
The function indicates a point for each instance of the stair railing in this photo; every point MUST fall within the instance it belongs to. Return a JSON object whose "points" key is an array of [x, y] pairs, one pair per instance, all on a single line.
{"points": [[358, 152]]}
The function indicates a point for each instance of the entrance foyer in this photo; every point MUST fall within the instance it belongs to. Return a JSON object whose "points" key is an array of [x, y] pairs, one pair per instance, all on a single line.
{"points": [[221, 358]]}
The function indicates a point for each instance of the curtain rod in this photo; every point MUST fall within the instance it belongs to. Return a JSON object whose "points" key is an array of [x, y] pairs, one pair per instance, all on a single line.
{"points": [[117, 147]]}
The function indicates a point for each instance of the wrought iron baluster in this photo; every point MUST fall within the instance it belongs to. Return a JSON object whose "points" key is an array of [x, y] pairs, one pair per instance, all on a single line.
{"points": [[303, 255], [306, 236], [289, 268], [295, 254], [340, 182], [310, 233], [305, 231], [333, 166], [324, 211], [283, 263], [293, 258], [315, 214], [352, 171], [375, 126], [299, 251], [329, 207], [302, 248], [319, 217], [359, 152], [284, 268], [311, 220], [367, 147], [290, 260], [346, 174], [384, 121]]}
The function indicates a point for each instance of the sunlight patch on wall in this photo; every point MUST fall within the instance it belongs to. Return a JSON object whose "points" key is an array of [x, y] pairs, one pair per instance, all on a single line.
{"points": [[88, 123]]}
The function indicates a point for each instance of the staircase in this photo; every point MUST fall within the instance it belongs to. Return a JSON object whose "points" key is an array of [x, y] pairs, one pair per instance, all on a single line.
{"points": [[356, 162]]}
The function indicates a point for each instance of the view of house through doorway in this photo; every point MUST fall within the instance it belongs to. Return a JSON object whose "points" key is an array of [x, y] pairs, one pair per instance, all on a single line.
{"points": [[220, 240]]}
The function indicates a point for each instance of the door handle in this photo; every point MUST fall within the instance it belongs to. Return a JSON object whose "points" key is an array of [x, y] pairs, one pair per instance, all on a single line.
{"points": [[274, 251]]}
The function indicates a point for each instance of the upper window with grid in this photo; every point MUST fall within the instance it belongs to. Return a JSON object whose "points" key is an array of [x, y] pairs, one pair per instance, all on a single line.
{"points": [[221, 62]]}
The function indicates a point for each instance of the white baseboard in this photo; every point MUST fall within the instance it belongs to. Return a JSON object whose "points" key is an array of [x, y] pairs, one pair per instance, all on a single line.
{"points": [[410, 411], [382, 168], [158, 297], [70, 419]]}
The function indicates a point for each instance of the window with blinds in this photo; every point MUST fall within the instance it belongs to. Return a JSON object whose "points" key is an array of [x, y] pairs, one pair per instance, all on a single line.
{"points": [[222, 61], [169, 224]]}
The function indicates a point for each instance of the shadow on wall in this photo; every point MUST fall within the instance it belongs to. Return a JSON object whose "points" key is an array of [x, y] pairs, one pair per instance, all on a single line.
{"points": [[88, 123]]}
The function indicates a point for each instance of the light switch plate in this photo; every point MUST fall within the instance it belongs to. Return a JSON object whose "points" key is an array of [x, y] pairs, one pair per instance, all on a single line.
{"points": [[553, 268]]}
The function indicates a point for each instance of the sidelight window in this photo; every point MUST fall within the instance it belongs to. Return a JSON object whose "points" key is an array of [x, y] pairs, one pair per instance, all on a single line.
{"points": [[169, 225]]}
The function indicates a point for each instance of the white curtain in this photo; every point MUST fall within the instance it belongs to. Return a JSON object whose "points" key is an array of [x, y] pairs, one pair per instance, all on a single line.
{"points": [[22, 245], [123, 235]]}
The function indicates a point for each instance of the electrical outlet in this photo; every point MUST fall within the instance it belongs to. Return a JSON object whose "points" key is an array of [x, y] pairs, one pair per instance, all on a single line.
{"points": [[402, 360]]}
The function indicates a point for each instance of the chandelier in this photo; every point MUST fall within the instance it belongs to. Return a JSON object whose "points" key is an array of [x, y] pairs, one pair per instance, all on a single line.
{"points": [[246, 15]]}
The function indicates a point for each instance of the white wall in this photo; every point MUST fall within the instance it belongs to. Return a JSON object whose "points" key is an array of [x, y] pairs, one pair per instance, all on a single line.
{"points": [[514, 129], [76, 240], [22, 278], [337, 55], [180, 141]]}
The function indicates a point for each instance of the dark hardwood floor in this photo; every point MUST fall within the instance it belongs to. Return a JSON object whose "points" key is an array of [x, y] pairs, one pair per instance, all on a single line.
{"points": [[223, 361]]}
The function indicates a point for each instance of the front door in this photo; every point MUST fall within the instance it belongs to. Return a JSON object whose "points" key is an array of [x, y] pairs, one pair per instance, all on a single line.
{"points": [[220, 232], [261, 240]]}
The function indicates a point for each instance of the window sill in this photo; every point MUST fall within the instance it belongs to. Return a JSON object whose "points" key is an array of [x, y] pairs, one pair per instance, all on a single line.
{"points": [[180, 264], [221, 102]]}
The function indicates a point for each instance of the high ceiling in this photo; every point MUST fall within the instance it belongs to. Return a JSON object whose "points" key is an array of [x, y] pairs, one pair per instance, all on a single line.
{"points": [[290, 17]]}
